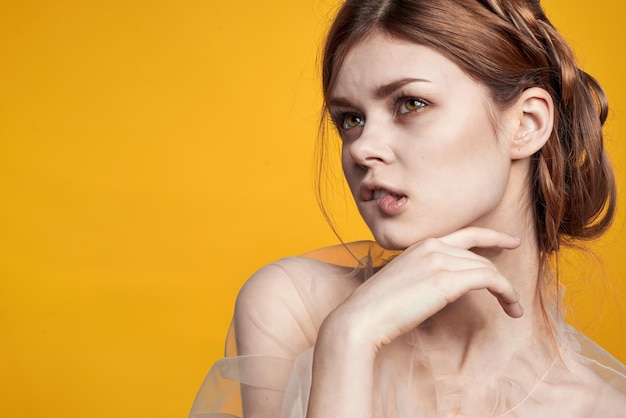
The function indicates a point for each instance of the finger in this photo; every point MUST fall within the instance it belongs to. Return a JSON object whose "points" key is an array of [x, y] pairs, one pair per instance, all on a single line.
{"points": [[485, 278], [514, 309], [506, 295], [473, 237], [437, 253]]}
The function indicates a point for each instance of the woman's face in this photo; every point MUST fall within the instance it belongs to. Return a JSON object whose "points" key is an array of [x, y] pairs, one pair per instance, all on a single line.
{"points": [[420, 152]]}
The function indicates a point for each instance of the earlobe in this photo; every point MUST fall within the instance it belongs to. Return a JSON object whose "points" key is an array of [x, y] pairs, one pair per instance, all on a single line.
{"points": [[534, 112]]}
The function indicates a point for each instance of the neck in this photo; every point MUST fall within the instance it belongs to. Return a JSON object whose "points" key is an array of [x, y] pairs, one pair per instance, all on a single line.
{"points": [[475, 328], [476, 337]]}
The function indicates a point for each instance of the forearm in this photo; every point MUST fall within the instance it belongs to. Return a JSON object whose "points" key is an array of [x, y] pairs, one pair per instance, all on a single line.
{"points": [[343, 368]]}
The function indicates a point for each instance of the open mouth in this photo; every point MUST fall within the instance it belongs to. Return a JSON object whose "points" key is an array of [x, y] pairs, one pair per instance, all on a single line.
{"points": [[381, 194], [388, 201], [369, 194]]}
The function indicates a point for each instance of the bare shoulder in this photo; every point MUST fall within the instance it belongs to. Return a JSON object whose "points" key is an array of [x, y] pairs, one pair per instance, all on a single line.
{"points": [[280, 307], [594, 388], [608, 385], [292, 281]]}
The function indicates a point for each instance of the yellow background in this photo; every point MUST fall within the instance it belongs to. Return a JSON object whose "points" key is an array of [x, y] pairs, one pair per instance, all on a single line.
{"points": [[153, 154]]}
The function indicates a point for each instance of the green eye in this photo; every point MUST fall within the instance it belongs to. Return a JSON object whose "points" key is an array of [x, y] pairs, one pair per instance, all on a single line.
{"points": [[411, 105], [352, 121]]}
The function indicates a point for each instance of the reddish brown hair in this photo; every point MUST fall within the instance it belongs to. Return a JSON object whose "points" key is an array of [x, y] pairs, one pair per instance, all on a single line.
{"points": [[509, 46]]}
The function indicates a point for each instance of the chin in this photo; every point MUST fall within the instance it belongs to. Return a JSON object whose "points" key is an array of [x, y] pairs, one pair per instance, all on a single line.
{"points": [[393, 242], [392, 247], [402, 238]]}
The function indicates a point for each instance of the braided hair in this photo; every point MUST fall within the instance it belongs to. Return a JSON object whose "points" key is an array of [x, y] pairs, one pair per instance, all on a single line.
{"points": [[509, 46]]}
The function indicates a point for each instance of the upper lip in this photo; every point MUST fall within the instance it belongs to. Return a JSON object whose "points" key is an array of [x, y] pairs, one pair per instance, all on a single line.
{"points": [[368, 188]]}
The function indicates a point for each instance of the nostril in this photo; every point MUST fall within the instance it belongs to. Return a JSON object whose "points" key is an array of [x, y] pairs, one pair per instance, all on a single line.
{"points": [[370, 149]]}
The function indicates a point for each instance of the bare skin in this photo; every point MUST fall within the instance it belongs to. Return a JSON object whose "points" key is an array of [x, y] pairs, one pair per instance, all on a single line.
{"points": [[439, 171], [431, 143], [441, 282]]}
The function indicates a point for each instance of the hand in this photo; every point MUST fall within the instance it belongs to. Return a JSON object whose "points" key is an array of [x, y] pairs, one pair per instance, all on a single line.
{"points": [[424, 279]]}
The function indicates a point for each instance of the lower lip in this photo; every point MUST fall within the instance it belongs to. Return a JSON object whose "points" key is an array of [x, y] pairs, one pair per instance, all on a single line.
{"points": [[390, 206]]}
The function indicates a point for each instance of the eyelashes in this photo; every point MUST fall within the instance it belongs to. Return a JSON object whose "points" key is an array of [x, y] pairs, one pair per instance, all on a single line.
{"points": [[405, 103], [347, 120], [412, 105], [400, 104]]}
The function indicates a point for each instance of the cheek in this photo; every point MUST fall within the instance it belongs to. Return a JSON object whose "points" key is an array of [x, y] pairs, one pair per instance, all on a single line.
{"points": [[480, 151], [483, 179], [348, 167], [466, 161]]}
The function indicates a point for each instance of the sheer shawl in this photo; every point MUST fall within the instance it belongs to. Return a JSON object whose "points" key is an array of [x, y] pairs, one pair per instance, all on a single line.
{"points": [[579, 379]]}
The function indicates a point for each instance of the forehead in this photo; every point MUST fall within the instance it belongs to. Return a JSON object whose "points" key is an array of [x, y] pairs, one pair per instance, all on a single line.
{"points": [[380, 59]]}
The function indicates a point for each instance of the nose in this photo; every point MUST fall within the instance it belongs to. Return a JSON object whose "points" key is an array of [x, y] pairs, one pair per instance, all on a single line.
{"points": [[372, 147]]}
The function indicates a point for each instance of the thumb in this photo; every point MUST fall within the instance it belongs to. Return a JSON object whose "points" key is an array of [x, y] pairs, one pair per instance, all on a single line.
{"points": [[475, 237]]}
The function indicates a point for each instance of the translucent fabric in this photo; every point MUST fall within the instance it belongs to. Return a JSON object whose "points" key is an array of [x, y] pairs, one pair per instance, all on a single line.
{"points": [[568, 377]]}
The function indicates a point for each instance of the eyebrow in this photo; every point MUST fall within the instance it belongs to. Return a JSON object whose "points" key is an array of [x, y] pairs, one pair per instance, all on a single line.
{"points": [[388, 89], [380, 92]]}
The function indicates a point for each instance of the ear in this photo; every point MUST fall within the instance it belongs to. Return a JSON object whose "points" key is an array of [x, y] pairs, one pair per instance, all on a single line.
{"points": [[533, 114]]}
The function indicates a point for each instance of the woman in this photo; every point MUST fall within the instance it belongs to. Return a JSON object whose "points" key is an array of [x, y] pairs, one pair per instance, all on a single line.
{"points": [[472, 145]]}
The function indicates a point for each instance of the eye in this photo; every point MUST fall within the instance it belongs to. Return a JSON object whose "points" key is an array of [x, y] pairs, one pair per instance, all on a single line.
{"points": [[350, 120], [411, 105]]}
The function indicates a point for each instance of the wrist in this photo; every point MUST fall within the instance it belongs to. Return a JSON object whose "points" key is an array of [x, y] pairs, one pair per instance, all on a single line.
{"points": [[348, 334]]}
